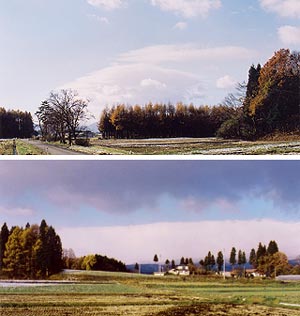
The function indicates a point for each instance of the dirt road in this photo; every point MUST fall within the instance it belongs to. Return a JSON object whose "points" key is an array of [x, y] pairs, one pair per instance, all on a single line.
{"points": [[51, 149]]}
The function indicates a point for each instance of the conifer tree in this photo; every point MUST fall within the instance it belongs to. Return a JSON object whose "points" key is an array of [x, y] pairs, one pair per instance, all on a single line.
{"points": [[272, 247], [252, 258], [220, 260], [14, 261], [4, 234], [232, 258]]}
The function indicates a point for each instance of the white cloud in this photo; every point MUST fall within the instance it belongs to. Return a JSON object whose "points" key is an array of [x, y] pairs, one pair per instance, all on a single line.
{"points": [[180, 26], [108, 4], [210, 235], [284, 8], [184, 53], [153, 83], [289, 35], [133, 83], [188, 8], [225, 82], [160, 73]]}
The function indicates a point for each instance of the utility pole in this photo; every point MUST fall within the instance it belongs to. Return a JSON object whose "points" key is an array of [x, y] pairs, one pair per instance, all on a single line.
{"points": [[224, 265]]}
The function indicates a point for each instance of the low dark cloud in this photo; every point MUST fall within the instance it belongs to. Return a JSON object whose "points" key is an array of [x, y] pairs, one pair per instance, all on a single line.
{"points": [[127, 186]]}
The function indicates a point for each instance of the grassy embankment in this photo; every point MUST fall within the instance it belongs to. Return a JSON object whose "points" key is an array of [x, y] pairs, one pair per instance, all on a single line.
{"points": [[99, 293], [6, 148]]}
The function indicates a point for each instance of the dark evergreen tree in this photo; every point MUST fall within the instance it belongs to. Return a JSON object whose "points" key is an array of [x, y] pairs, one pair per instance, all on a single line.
{"points": [[272, 248], [261, 251], [252, 258], [232, 258], [220, 260], [4, 234], [173, 265]]}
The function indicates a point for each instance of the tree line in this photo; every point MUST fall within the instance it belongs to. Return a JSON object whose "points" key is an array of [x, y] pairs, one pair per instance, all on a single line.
{"points": [[267, 103], [266, 260], [163, 120], [31, 252], [15, 124], [92, 262]]}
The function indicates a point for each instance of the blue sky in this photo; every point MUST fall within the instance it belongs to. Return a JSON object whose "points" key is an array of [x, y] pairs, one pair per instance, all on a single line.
{"points": [[102, 206], [135, 51]]}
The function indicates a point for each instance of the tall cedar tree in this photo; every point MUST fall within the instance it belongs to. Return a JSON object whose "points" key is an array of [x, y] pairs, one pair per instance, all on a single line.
{"points": [[252, 258], [232, 258], [220, 260], [272, 247], [4, 234]]}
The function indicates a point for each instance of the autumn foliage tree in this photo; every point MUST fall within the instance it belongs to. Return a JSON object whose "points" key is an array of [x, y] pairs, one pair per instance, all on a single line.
{"points": [[276, 103], [272, 99], [32, 252]]}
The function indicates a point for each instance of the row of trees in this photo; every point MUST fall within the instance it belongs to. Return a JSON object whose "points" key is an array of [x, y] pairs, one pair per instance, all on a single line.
{"points": [[30, 252], [15, 124], [267, 261], [60, 116], [91, 262], [163, 120], [267, 103]]}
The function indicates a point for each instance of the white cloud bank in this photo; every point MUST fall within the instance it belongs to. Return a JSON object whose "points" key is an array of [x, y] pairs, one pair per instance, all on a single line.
{"points": [[173, 240], [284, 8], [134, 83], [188, 8], [159, 73], [289, 35]]}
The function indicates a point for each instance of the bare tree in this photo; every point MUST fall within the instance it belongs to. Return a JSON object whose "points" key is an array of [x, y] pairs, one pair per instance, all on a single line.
{"points": [[62, 114]]}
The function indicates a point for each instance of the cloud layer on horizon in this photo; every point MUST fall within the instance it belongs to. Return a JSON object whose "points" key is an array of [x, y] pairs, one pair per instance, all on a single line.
{"points": [[173, 240]]}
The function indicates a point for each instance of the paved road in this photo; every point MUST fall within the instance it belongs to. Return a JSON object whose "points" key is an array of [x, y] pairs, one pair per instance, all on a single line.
{"points": [[51, 149]]}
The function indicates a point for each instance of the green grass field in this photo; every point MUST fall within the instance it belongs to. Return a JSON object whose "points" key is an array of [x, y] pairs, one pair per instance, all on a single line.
{"points": [[6, 148], [100, 293]]}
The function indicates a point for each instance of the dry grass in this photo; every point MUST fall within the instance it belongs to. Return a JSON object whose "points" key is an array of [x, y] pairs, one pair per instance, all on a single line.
{"points": [[190, 146]]}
